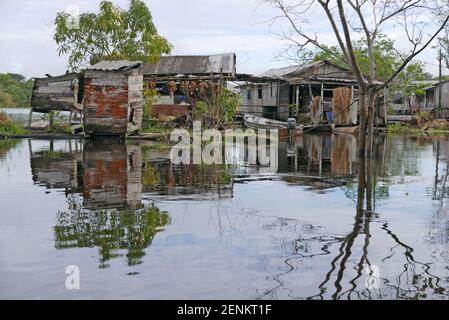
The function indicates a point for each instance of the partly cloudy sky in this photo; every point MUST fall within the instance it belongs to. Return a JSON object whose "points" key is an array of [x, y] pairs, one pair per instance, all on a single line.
{"points": [[193, 27]]}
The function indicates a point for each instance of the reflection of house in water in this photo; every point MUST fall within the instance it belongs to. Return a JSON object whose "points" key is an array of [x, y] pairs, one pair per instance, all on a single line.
{"points": [[107, 172], [112, 174], [162, 178], [58, 166], [319, 161], [187, 181]]}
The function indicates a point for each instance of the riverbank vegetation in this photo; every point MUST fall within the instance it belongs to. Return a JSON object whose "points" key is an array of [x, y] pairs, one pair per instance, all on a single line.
{"points": [[422, 122], [9, 127], [15, 91], [408, 129]]}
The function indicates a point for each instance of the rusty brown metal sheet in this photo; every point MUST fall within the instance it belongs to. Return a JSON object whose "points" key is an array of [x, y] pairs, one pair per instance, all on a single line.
{"points": [[113, 101]]}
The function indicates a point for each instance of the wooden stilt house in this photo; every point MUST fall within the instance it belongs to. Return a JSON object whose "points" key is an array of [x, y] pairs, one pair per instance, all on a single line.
{"points": [[113, 98]]}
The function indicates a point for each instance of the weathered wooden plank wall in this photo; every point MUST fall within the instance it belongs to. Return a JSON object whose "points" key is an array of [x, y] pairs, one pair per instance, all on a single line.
{"points": [[341, 106], [315, 112], [55, 93], [113, 101]]}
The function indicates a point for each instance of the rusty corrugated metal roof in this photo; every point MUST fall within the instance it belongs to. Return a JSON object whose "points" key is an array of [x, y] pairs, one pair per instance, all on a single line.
{"points": [[192, 65], [115, 65], [297, 69]]}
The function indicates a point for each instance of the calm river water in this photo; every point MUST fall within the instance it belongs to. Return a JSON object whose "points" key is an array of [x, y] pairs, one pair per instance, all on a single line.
{"points": [[139, 227]]}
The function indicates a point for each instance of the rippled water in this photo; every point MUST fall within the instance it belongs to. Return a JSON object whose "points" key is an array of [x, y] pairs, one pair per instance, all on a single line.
{"points": [[140, 227]]}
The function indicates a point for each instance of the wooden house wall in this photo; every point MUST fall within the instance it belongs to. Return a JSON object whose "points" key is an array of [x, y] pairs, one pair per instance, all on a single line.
{"points": [[269, 103], [55, 93], [135, 100], [113, 101], [444, 87]]}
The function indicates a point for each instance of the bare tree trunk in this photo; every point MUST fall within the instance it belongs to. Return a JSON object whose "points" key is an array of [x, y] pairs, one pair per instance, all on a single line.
{"points": [[369, 183], [361, 183], [362, 124], [370, 123]]}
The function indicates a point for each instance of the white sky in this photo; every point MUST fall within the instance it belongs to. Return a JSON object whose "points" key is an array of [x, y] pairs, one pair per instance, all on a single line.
{"points": [[193, 27]]}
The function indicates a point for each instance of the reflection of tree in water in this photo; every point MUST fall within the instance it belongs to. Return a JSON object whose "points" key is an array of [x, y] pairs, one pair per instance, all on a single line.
{"points": [[344, 278], [113, 230]]}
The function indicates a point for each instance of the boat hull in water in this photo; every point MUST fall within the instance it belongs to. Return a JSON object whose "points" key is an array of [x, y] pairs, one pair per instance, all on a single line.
{"points": [[255, 122]]}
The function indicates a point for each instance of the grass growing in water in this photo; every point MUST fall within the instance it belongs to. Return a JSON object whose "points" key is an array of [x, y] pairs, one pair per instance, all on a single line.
{"points": [[9, 127], [404, 128]]}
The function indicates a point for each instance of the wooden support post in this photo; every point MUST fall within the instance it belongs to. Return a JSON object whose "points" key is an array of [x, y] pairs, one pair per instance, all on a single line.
{"points": [[385, 107], [310, 94], [297, 99], [70, 118], [51, 121], [321, 111], [30, 118]]}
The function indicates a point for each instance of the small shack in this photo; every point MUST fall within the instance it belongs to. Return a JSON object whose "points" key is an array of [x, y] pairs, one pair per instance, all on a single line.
{"points": [[61, 93], [113, 101]]}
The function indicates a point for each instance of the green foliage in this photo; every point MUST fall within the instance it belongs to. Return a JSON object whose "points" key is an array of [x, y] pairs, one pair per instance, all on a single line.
{"points": [[15, 91], [150, 175], [112, 34], [109, 230], [217, 106], [56, 121], [390, 111], [229, 101], [8, 127], [407, 79], [402, 128], [150, 96], [386, 57]]}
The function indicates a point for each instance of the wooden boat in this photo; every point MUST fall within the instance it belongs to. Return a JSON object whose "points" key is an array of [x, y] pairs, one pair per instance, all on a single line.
{"points": [[346, 130], [255, 122], [319, 128]]}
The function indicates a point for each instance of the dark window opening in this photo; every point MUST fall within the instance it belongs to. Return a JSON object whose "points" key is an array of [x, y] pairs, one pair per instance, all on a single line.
{"points": [[131, 115], [248, 94], [259, 92], [80, 90]]}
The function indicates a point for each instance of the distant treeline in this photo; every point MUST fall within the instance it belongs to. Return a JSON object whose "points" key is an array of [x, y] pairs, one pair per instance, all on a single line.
{"points": [[15, 91]]}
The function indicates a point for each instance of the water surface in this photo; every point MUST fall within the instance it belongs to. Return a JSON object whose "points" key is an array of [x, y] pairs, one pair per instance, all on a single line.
{"points": [[139, 227]]}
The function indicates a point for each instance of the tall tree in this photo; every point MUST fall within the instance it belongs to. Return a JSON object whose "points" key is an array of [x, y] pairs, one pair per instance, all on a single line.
{"points": [[387, 58], [111, 34]]}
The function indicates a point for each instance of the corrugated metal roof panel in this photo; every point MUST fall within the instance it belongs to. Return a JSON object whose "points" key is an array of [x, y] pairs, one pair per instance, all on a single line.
{"points": [[294, 70], [279, 72], [116, 65], [192, 65]]}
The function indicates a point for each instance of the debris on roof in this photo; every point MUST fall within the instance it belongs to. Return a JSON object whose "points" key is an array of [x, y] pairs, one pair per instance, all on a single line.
{"points": [[116, 65]]}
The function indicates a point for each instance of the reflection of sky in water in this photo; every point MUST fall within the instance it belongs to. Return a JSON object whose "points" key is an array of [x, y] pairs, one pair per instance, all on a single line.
{"points": [[232, 232]]}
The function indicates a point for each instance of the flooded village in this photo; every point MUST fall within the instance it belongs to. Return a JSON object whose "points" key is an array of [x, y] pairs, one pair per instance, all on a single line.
{"points": [[168, 176]]}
